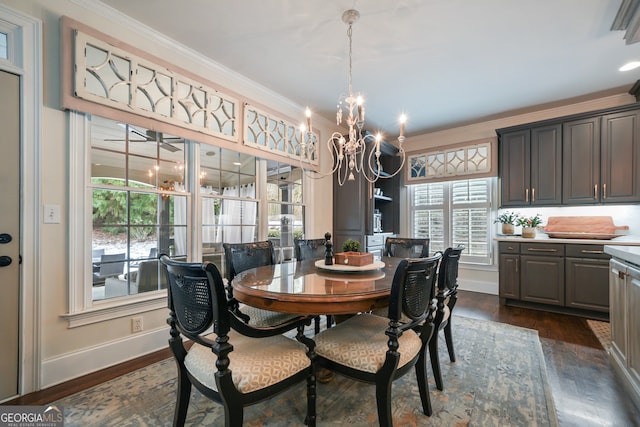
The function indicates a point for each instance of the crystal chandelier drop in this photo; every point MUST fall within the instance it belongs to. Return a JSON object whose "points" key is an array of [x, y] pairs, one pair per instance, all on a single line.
{"points": [[358, 151]]}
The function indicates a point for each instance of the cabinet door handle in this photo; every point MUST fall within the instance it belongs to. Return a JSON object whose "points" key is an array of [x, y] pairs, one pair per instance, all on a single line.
{"points": [[533, 195], [526, 195], [595, 191], [584, 251], [604, 191], [541, 250]]}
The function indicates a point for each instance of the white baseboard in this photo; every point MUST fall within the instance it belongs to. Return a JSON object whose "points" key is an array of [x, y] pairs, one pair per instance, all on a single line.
{"points": [[72, 365], [478, 286]]}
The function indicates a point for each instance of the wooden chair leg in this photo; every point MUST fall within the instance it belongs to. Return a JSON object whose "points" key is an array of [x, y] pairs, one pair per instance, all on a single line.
{"points": [[435, 361], [383, 400], [182, 398], [316, 327], [310, 419], [423, 384], [449, 339]]}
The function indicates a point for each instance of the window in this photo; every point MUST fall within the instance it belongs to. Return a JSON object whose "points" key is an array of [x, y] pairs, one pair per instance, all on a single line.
{"points": [[228, 201], [139, 206], [142, 199], [454, 212], [284, 204]]}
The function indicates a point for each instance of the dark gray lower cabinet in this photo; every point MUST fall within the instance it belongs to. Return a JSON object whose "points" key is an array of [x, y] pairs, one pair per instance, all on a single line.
{"points": [[542, 274], [509, 280], [570, 277], [587, 282]]}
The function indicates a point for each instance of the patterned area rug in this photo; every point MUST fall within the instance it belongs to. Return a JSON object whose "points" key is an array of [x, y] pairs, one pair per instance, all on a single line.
{"points": [[602, 331], [499, 379]]}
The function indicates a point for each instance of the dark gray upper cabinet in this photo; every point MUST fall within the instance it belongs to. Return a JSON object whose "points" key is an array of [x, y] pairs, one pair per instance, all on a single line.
{"points": [[584, 159], [581, 165], [620, 158], [530, 166]]}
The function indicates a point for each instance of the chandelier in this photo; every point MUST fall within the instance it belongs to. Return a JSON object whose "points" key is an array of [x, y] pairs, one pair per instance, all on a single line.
{"points": [[358, 151]]}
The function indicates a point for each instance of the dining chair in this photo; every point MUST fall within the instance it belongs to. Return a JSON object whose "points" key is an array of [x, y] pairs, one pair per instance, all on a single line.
{"points": [[243, 256], [446, 295], [309, 248], [232, 364], [401, 247], [379, 350], [312, 249]]}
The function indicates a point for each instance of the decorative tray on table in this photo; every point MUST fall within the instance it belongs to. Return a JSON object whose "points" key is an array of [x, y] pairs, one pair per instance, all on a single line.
{"points": [[345, 268]]}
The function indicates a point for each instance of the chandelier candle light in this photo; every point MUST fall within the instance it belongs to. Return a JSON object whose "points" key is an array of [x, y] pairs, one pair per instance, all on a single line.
{"points": [[349, 153]]}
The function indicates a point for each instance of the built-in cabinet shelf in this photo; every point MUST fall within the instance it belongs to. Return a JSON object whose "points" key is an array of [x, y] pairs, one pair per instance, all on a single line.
{"points": [[590, 158], [355, 202]]}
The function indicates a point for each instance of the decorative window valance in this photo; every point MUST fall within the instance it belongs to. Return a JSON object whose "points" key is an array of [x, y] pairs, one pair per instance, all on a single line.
{"points": [[113, 77], [472, 159], [267, 132], [100, 71]]}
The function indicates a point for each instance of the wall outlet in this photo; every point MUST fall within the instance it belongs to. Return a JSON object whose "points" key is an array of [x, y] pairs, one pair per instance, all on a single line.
{"points": [[136, 324]]}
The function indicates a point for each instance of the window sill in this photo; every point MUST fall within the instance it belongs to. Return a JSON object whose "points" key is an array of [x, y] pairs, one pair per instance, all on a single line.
{"points": [[118, 307]]}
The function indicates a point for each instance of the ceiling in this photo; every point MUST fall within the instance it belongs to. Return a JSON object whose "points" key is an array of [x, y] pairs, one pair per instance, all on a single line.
{"points": [[442, 62]]}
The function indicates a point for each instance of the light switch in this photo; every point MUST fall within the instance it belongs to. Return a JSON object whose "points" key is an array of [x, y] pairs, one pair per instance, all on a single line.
{"points": [[52, 214]]}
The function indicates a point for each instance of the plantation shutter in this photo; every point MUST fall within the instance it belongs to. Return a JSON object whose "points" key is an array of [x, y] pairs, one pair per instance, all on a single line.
{"points": [[452, 213]]}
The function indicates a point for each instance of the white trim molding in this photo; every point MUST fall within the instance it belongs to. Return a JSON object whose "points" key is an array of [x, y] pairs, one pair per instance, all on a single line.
{"points": [[26, 44]]}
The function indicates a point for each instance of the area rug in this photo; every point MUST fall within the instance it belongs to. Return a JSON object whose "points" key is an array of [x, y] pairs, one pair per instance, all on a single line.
{"points": [[602, 331], [499, 379]]}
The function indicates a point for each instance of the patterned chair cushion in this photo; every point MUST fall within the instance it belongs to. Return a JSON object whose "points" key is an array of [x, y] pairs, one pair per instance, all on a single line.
{"points": [[360, 343], [256, 363], [264, 318]]}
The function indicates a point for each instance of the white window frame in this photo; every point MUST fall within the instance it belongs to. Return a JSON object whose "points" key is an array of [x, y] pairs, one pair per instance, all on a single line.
{"points": [[448, 208]]}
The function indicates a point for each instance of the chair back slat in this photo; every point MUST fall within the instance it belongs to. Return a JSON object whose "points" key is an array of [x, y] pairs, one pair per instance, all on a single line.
{"points": [[448, 274], [309, 248], [412, 289], [243, 256], [406, 248], [197, 297]]}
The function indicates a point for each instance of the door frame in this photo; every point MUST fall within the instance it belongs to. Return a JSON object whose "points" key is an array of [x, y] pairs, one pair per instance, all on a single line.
{"points": [[26, 53]]}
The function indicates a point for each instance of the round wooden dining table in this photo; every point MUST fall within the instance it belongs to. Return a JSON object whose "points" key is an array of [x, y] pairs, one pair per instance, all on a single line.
{"points": [[304, 288]]}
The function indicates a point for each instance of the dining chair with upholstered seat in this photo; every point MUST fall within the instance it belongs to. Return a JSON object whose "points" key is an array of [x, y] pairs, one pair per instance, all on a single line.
{"points": [[243, 256], [232, 364], [446, 295], [377, 349], [401, 247]]}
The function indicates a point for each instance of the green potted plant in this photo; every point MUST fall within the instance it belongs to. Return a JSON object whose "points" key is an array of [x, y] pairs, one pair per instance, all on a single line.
{"points": [[351, 245], [508, 221], [529, 225]]}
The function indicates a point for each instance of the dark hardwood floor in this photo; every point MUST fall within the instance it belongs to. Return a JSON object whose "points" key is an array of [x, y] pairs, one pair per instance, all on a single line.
{"points": [[585, 389]]}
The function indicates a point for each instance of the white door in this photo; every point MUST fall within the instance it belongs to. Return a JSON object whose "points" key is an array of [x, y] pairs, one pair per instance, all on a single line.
{"points": [[9, 233]]}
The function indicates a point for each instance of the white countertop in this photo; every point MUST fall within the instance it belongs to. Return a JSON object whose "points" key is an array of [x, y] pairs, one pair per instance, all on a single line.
{"points": [[627, 253], [623, 240]]}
